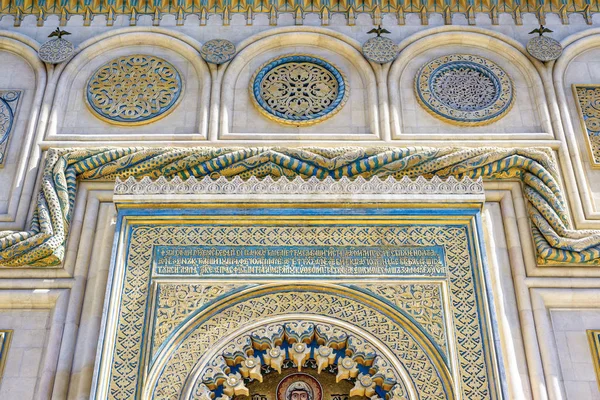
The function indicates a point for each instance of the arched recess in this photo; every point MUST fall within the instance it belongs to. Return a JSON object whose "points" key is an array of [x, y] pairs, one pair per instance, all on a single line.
{"points": [[21, 70], [72, 120], [529, 118], [578, 65], [416, 363], [358, 119]]}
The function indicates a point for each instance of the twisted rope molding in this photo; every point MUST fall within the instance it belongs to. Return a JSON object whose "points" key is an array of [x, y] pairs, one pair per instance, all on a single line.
{"points": [[44, 243]]}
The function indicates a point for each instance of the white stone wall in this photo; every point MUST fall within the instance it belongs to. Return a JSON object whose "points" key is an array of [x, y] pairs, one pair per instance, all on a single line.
{"points": [[574, 351], [16, 74], [23, 367]]}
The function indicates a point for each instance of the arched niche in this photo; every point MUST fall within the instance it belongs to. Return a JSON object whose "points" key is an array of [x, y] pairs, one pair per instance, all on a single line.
{"points": [[528, 118], [194, 360], [71, 118], [358, 119], [578, 65], [22, 71]]}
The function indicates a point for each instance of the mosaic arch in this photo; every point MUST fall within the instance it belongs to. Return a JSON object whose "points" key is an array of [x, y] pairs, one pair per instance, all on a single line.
{"points": [[298, 90], [215, 354], [299, 345]]}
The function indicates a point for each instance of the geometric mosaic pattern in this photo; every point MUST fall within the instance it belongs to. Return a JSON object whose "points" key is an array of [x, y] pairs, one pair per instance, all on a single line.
{"points": [[555, 238], [587, 98], [298, 90], [134, 90], [464, 90], [261, 304]]}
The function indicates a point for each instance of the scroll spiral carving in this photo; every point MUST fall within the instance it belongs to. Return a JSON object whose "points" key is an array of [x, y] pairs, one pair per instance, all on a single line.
{"points": [[298, 90], [134, 90]]}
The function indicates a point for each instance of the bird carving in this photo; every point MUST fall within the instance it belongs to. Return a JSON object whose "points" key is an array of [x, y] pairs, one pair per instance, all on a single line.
{"points": [[379, 30], [59, 33], [541, 30]]}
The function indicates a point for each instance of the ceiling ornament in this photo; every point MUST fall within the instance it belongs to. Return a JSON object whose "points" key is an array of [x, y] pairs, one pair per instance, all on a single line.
{"points": [[542, 47], [57, 50], [464, 90], [298, 90], [134, 90], [380, 49], [217, 51]]}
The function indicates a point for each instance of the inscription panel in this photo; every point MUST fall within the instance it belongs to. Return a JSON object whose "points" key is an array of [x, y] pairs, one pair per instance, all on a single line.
{"points": [[299, 260]]}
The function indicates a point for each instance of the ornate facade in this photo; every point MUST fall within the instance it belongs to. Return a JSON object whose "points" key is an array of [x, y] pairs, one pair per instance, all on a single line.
{"points": [[294, 201]]}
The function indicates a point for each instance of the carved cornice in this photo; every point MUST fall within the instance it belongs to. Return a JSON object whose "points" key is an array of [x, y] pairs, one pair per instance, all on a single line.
{"points": [[157, 10], [283, 185], [556, 241]]}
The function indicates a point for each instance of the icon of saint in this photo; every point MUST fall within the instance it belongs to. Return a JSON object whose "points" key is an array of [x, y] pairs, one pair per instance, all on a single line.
{"points": [[299, 391]]}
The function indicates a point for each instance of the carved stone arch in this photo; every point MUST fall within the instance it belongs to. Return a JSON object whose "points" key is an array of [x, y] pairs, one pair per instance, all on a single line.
{"points": [[506, 49], [125, 40], [580, 177], [414, 358], [30, 118], [287, 41]]}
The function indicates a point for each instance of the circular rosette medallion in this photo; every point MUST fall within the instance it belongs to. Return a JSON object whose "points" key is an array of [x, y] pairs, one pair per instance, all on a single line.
{"points": [[134, 90], [298, 90], [55, 51], [464, 90], [380, 50], [544, 48], [217, 51]]}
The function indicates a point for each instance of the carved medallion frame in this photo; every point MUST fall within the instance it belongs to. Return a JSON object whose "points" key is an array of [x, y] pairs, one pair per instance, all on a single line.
{"points": [[134, 364]]}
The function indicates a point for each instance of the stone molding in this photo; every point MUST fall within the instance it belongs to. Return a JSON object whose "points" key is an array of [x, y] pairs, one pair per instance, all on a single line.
{"points": [[556, 239], [283, 185]]}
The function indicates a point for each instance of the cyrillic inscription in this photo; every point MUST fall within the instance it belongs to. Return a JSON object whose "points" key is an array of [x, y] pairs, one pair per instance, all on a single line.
{"points": [[299, 260]]}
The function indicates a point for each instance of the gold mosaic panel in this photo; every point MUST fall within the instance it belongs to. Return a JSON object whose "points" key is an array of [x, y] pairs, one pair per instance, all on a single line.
{"points": [[594, 340], [5, 338], [587, 98]]}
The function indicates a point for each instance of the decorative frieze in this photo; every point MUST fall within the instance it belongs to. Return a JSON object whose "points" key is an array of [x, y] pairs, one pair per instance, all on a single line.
{"points": [[283, 185], [204, 10], [555, 238]]}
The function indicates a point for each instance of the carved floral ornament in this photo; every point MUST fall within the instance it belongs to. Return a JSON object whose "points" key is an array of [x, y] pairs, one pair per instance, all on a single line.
{"points": [[298, 89], [134, 90], [464, 90], [299, 344]]}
